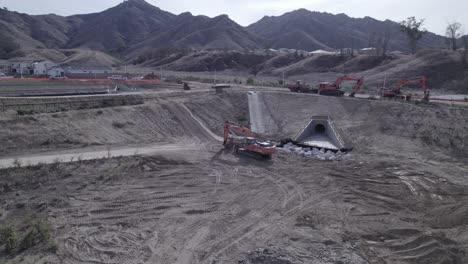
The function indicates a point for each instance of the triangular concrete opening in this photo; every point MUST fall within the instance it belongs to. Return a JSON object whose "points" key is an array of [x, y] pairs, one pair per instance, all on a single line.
{"points": [[320, 132]]}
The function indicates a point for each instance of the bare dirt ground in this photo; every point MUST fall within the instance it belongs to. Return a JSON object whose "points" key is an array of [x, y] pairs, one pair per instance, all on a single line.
{"points": [[399, 197]]}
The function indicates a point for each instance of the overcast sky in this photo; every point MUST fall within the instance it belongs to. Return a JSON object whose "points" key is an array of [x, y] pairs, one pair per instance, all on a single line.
{"points": [[436, 12]]}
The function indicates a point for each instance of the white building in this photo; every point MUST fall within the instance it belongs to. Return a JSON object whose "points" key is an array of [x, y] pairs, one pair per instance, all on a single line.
{"points": [[28, 67], [56, 71], [42, 67], [323, 52], [367, 51], [21, 67]]}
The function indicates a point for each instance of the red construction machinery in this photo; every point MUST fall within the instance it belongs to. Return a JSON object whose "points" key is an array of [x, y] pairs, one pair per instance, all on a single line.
{"points": [[328, 88], [396, 92], [301, 87], [242, 140], [334, 89]]}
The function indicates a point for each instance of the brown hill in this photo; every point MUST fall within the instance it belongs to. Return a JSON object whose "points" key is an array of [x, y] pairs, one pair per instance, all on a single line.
{"points": [[303, 29], [135, 27], [129, 28], [202, 33], [119, 27]]}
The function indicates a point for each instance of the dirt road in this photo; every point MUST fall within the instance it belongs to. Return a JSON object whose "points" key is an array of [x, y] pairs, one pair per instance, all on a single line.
{"points": [[88, 154]]}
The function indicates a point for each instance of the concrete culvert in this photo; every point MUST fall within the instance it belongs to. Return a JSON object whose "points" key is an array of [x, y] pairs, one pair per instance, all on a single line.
{"points": [[320, 129]]}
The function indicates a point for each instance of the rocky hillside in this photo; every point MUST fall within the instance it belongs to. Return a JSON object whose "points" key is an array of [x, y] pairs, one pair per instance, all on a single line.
{"points": [[303, 29], [135, 28], [127, 29]]}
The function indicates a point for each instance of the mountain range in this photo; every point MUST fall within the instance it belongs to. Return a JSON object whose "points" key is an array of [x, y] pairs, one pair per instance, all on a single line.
{"points": [[134, 27]]}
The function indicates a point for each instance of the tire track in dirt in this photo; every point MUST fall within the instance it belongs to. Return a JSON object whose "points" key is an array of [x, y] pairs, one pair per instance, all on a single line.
{"points": [[259, 220], [191, 124], [119, 211], [414, 246]]}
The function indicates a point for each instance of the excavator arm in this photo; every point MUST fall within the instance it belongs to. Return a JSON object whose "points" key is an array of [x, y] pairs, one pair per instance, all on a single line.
{"points": [[417, 80], [396, 90], [357, 87], [231, 128]]}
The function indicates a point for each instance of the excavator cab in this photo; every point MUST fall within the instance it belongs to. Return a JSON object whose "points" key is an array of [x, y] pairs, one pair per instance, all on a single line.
{"points": [[250, 141]]}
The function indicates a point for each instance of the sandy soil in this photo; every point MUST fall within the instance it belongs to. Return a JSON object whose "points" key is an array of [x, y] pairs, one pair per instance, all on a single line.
{"points": [[399, 197]]}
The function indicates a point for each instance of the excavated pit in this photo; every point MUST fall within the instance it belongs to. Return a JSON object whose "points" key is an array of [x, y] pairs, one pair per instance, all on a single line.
{"points": [[400, 197]]}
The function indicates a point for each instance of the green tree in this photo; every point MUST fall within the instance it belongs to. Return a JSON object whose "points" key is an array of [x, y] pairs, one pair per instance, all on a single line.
{"points": [[453, 32], [413, 30]]}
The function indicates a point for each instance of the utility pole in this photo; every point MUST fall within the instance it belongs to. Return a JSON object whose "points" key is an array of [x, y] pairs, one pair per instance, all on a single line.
{"points": [[215, 78], [283, 80], [384, 87]]}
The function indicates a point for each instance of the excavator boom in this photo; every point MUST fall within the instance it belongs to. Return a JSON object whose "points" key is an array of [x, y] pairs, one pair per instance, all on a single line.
{"points": [[395, 92], [242, 140], [334, 88]]}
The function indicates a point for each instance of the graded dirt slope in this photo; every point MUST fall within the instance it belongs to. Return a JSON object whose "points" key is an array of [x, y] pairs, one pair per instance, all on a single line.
{"points": [[399, 197]]}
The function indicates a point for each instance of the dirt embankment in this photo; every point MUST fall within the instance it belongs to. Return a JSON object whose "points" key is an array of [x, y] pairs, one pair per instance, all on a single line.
{"points": [[398, 127], [386, 202], [158, 120], [384, 126]]}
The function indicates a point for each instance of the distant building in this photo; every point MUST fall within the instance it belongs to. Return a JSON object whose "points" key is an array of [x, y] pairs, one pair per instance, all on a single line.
{"points": [[41, 67], [88, 69], [347, 52], [367, 51], [28, 67], [322, 52], [56, 71], [284, 50], [21, 67]]}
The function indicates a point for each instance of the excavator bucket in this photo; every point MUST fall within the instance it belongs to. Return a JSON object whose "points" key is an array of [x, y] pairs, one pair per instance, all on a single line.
{"points": [[321, 133]]}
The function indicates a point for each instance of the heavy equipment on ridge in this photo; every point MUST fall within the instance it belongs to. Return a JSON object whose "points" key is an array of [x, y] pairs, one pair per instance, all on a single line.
{"points": [[243, 141], [301, 87], [328, 88], [395, 92], [334, 89]]}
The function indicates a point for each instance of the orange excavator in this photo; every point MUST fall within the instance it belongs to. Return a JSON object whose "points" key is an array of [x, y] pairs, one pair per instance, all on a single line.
{"points": [[242, 140], [334, 89], [395, 92]]}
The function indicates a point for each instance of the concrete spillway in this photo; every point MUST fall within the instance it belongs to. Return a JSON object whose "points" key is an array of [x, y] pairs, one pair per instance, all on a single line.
{"points": [[320, 132], [261, 121]]}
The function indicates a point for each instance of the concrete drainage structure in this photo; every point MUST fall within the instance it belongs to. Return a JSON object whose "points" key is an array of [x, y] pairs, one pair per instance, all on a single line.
{"points": [[319, 139]]}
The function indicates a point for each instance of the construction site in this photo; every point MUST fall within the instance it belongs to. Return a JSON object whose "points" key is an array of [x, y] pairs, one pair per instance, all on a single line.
{"points": [[173, 173]]}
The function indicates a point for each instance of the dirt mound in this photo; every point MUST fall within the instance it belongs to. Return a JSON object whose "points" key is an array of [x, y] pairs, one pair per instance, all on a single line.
{"points": [[90, 58], [442, 68], [148, 123], [316, 64], [207, 61], [280, 61]]}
